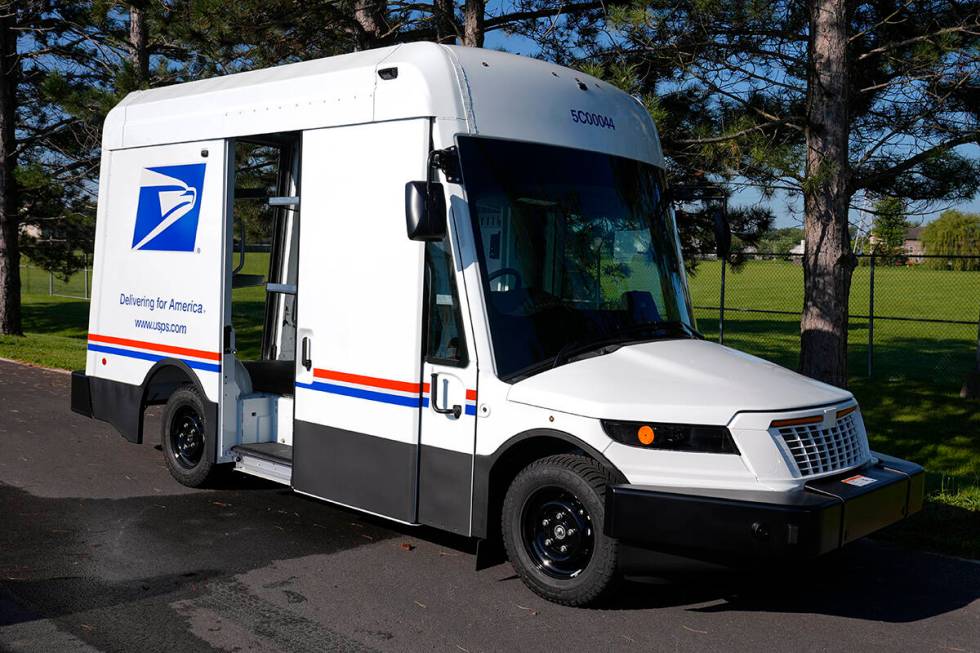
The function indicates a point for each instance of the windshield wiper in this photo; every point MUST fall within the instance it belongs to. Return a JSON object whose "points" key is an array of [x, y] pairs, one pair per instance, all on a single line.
{"points": [[620, 336], [660, 326]]}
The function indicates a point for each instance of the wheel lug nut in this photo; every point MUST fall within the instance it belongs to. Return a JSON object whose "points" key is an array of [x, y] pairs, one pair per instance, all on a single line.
{"points": [[559, 515], [547, 542], [563, 548], [545, 522], [571, 531]]}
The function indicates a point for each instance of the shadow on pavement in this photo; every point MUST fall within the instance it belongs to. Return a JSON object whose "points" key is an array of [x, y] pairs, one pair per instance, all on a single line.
{"points": [[866, 580]]}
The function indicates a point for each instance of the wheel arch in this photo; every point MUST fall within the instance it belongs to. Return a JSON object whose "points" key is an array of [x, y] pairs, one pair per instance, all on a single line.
{"points": [[162, 380], [493, 474]]}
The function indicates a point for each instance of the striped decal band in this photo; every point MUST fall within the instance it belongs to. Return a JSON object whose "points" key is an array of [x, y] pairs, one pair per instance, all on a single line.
{"points": [[372, 388], [153, 352], [414, 401], [152, 346]]}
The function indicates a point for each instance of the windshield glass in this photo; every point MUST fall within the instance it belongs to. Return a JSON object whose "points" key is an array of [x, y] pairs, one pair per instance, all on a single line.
{"points": [[577, 249]]}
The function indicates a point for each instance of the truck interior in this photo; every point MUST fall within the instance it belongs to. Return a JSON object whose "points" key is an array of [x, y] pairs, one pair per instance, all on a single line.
{"points": [[265, 212]]}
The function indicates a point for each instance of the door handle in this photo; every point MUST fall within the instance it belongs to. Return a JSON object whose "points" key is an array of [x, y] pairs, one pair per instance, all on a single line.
{"points": [[305, 358], [455, 411]]}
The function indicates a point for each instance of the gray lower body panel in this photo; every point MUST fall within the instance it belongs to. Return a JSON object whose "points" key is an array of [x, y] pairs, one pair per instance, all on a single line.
{"points": [[444, 489], [381, 476], [359, 470]]}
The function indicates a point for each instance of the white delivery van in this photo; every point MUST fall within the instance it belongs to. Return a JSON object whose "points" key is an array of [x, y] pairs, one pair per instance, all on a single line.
{"points": [[476, 317]]}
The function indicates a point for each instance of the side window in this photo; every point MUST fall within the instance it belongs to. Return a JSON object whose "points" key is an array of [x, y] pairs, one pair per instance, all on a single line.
{"points": [[444, 340]]}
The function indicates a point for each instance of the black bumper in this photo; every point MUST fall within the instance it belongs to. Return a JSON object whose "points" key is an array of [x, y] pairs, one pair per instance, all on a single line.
{"points": [[119, 404], [727, 525], [81, 394]]}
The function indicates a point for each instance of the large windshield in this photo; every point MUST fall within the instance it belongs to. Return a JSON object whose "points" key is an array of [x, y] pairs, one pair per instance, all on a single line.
{"points": [[578, 250]]}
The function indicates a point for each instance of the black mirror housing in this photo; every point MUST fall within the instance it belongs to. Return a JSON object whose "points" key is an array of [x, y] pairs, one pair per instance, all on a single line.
{"points": [[425, 211]]}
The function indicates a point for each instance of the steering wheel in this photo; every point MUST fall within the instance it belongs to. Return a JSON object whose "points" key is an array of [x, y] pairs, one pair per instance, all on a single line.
{"points": [[508, 272]]}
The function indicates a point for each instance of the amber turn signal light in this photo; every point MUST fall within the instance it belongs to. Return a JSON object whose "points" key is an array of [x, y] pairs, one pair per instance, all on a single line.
{"points": [[813, 419], [645, 434], [846, 411]]}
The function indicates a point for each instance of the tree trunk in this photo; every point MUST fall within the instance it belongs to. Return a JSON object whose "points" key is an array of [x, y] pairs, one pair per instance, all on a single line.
{"points": [[10, 323], [827, 261], [139, 52], [473, 31], [445, 18], [369, 15]]}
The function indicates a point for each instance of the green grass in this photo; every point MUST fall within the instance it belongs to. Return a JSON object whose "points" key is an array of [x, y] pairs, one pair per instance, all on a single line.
{"points": [[55, 330], [911, 404]]}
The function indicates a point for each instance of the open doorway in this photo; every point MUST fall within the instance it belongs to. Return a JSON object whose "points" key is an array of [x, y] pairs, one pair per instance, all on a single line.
{"points": [[265, 213]]}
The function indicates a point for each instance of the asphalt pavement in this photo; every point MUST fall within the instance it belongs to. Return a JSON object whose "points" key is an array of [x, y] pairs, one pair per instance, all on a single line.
{"points": [[100, 550]]}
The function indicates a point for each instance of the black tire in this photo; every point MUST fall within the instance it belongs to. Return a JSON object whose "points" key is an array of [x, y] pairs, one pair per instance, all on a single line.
{"points": [[545, 501], [187, 439]]}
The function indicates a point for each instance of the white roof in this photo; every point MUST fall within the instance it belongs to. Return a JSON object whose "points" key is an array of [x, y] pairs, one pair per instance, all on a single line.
{"points": [[488, 92]]}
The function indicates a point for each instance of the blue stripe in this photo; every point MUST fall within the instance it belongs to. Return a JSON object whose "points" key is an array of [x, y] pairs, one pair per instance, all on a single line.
{"points": [[370, 395], [357, 393], [197, 365]]}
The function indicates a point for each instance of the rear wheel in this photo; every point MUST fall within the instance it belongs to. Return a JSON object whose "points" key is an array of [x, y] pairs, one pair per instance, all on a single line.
{"points": [[552, 528], [188, 446]]}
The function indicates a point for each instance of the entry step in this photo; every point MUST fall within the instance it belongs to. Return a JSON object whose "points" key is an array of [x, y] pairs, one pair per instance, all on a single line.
{"points": [[271, 451], [269, 460]]}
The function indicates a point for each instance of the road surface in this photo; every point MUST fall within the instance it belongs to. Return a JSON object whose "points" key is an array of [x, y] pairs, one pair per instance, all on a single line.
{"points": [[101, 551]]}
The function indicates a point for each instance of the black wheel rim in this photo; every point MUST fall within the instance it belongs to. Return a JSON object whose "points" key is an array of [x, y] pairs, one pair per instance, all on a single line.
{"points": [[187, 437], [557, 532]]}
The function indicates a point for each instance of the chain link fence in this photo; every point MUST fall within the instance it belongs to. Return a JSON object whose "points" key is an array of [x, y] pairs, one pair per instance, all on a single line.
{"points": [[37, 281], [910, 316]]}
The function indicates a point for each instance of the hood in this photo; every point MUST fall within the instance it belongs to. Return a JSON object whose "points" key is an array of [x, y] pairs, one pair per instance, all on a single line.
{"points": [[680, 381]]}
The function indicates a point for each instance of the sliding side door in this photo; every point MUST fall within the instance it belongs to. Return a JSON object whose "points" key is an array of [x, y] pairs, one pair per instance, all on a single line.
{"points": [[358, 358]]}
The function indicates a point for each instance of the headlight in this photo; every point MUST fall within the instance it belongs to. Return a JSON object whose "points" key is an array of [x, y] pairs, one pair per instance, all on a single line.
{"points": [[671, 437]]}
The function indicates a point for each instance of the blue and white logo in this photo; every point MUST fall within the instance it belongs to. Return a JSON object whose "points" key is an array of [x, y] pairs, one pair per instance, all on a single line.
{"points": [[169, 207]]}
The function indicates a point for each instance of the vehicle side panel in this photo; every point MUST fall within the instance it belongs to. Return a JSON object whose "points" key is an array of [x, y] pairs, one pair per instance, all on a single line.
{"points": [[156, 291]]}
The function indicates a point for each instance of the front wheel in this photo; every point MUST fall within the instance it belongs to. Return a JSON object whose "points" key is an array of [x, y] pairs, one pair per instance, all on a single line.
{"points": [[188, 446], [552, 529]]}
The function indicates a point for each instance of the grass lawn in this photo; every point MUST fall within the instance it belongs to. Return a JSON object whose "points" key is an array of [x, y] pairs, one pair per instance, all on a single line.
{"points": [[910, 404]]}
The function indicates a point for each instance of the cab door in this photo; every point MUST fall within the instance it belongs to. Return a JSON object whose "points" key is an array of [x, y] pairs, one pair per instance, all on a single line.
{"points": [[450, 404]]}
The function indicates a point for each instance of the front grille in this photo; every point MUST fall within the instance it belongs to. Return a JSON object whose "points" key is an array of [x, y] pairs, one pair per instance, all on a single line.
{"points": [[818, 450]]}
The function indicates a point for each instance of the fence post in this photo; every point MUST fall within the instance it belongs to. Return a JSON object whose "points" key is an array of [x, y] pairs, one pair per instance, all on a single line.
{"points": [[50, 283], [85, 277], [871, 317], [721, 306]]}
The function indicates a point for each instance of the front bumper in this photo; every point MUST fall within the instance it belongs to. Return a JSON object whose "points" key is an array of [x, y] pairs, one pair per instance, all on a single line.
{"points": [[723, 525]]}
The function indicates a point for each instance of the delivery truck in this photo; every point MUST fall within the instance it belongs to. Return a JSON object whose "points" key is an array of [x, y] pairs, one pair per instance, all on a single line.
{"points": [[476, 317]]}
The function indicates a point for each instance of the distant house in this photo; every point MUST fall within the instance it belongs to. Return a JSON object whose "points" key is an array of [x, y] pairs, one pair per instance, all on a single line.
{"points": [[30, 230], [798, 249], [912, 245]]}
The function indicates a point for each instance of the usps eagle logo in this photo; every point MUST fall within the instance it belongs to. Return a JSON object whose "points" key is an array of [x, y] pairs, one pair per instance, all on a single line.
{"points": [[169, 207]]}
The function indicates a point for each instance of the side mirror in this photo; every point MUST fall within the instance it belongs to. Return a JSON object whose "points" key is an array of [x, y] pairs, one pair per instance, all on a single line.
{"points": [[723, 234], [425, 211]]}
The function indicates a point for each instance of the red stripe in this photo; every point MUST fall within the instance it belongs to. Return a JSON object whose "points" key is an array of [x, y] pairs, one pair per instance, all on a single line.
{"points": [[169, 349], [388, 384], [376, 382]]}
